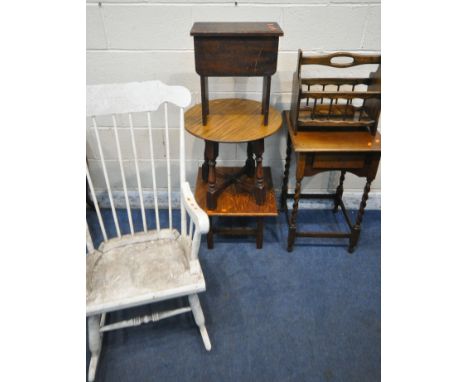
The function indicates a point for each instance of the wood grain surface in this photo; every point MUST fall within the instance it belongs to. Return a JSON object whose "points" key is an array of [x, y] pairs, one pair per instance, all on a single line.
{"points": [[266, 29], [232, 120], [330, 141], [236, 200]]}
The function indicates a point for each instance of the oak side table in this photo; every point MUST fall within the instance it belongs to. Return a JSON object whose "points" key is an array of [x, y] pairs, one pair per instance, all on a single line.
{"points": [[236, 49], [357, 152], [241, 191]]}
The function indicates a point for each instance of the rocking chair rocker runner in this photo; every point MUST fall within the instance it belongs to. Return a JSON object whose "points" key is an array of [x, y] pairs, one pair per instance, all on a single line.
{"points": [[153, 265]]}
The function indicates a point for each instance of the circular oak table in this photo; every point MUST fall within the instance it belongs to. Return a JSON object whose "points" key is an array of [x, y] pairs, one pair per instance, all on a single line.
{"points": [[232, 120]]}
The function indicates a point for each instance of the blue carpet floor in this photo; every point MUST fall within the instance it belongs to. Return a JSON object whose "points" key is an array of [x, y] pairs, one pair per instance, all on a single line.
{"points": [[309, 315]]}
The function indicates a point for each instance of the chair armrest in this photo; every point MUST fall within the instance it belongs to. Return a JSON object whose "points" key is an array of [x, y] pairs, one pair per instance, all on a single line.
{"points": [[198, 216]]}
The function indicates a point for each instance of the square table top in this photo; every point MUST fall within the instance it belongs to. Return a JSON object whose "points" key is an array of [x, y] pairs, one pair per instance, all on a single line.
{"points": [[332, 141], [261, 29]]}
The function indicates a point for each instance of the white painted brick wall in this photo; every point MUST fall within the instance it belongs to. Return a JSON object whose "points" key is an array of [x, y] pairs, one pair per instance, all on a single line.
{"points": [[137, 40]]}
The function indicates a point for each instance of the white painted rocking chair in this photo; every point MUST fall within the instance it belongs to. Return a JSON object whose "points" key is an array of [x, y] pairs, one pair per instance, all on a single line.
{"points": [[153, 265]]}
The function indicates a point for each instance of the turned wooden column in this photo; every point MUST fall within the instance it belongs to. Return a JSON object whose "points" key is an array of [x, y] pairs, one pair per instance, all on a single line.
{"points": [[258, 148], [211, 153], [284, 190], [300, 169], [339, 192], [205, 167], [356, 230], [250, 162]]}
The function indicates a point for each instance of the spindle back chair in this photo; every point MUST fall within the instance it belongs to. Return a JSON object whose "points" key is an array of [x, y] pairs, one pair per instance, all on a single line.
{"points": [[336, 103], [139, 268]]}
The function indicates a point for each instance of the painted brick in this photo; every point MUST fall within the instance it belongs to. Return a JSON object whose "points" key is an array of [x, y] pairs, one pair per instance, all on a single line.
{"points": [[95, 33], [117, 1], [278, 2], [282, 2], [159, 1], [227, 1], [172, 68], [323, 27], [147, 26], [242, 2], [355, 1], [372, 30], [233, 13]]}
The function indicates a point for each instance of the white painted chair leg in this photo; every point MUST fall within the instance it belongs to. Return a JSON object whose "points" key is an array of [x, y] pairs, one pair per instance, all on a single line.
{"points": [[199, 319], [94, 341]]}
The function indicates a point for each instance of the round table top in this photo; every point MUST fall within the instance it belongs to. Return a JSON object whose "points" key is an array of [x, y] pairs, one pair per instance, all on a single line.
{"points": [[232, 120]]}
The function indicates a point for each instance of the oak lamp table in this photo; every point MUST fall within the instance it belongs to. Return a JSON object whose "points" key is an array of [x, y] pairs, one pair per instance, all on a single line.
{"points": [[357, 152], [249, 190]]}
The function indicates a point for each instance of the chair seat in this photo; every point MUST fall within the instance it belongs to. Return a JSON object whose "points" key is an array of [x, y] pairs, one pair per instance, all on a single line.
{"points": [[139, 269]]}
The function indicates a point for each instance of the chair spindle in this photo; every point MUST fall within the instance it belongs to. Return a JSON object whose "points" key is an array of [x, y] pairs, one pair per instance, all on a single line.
{"points": [[183, 215], [106, 178], [153, 172], [122, 174], [137, 170], [96, 204], [168, 161]]}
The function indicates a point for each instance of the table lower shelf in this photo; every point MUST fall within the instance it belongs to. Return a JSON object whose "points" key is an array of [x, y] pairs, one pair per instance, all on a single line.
{"points": [[237, 200]]}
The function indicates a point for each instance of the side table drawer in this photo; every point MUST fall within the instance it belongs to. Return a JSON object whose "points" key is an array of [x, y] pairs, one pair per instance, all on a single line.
{"points": [[336, 161]]}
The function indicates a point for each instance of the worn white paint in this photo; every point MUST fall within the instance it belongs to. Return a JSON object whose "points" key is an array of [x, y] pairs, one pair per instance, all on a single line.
{"points": [[139, 269], [168, 163], [122, 173], [156, 264], [146, 319], [95, 345], [137, 172], [96, 204], [153, 172], [106, 177], [133, 97]]}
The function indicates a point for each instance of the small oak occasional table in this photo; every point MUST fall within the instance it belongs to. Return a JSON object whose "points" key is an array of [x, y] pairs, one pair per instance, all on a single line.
{"points": [[236, 49], [318, 151], [249, 190]]}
